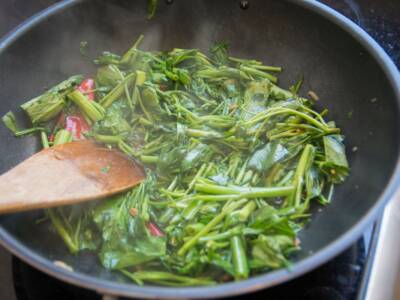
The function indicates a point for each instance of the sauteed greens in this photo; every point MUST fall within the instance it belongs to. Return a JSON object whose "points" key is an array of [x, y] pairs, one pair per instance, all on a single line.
{"points": [[233, 161]]}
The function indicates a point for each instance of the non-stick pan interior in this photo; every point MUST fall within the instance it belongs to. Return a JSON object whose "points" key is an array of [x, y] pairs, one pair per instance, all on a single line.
{"points": [[347, 79]]}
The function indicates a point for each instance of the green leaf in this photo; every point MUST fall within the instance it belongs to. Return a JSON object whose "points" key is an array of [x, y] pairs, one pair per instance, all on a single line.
{"points": [[335, 165], [221, 179], [75, 227], [132, 245], [265, 217], [255, 98], [150, 104], [272, 220], [108, 76], [263, 159], [312, 183], [170, 160], [126, 240], [219, 53], [335, 150], [221, 261], [114, 122], [269, 251], [196, 157], [10, 122], [184, 76]]}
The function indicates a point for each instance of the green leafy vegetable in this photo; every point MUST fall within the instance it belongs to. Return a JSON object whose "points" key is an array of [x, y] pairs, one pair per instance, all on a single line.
{"points": [[62, 137], [335, 163], [91, 109], [151, 8], [10, 121], [165, 278], [233, 162], [263, 159], [334, 151], [269, 251], [50, 104]]}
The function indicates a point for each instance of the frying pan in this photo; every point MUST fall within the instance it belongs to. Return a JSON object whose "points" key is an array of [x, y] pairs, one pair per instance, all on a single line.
{"points": [[353, 76]]}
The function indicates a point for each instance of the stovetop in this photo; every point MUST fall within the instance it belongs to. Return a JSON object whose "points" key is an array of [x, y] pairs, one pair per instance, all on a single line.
{"points": [[339, 279], [343, 278]]}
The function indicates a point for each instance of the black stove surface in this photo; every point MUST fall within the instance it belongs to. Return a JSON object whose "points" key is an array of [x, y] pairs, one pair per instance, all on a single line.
{"points": [[342, 278], [379, 18], [339, 279]]}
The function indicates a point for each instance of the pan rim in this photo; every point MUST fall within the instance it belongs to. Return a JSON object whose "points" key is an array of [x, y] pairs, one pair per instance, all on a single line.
{"points": [[256, 282]]}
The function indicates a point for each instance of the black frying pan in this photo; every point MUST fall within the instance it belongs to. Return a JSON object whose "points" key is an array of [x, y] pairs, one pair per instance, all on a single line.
{"points": [[339, 61]]}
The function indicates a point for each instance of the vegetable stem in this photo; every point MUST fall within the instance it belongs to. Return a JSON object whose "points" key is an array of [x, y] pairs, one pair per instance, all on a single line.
{"points": [[305, 162], [216, 220], [107, 139], [147, 159], [244, 192], [44, 139], [62, 136], [258, 73], [239, 258], [90, 108], [117, 92], [166, 278], [69, 241]]}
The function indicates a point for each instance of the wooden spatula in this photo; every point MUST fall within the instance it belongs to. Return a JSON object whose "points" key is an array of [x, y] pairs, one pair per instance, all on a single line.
{"points": [[67, 174]]}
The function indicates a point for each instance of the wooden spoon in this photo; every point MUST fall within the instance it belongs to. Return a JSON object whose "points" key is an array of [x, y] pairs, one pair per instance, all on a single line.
{"points": [[67, 174]]}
